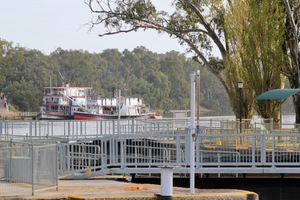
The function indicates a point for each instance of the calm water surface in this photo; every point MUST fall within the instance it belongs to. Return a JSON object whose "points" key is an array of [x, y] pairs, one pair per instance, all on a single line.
{"points": [[61, 128]]}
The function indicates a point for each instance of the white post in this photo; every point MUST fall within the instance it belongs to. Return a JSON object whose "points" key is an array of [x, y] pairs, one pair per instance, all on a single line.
{"points": [[166, 182], [192, 134]]}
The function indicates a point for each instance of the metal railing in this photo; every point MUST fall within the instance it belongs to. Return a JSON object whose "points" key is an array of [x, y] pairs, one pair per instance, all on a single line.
{"points": [[26, 168], [91, 148], [214, 153], [80, 128]]}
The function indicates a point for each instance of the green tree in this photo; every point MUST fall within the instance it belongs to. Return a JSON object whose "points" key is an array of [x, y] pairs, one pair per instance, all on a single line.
{"points": [[190, 23], [26, 70], [131, 67], [162, 80], [291, 48], [23, 94], [5, 50], [172, 64], [255, 36], [75, 67], [111, 72], [198, 23]]}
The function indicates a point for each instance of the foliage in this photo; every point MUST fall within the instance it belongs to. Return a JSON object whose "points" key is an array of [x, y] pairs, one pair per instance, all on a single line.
{"points": [[23, 73], [255, 33], [162, 80], [248, 34], [190, 23], [230, 26], [23, 95], [292, 50]]}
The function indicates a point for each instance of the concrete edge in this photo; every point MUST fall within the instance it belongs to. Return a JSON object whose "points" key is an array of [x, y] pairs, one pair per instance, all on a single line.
{"points": [[245, 195]]}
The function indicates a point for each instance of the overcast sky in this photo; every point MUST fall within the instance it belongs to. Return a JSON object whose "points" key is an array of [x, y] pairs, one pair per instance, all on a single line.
{"points": [[48, 24]]}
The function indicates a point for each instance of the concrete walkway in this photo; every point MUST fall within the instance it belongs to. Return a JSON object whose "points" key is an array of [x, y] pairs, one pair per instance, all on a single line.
{"points": [[111, 189]]}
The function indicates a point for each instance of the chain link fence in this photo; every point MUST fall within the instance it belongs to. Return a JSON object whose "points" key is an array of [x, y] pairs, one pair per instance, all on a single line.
{"points": [[27, 167]]}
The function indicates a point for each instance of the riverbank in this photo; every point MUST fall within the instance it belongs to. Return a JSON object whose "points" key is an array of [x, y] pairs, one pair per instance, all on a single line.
{"points": [[105, 188], [7, 113]]}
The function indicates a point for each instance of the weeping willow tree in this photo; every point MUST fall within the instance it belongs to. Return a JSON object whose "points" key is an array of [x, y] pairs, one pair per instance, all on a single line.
{"points": [[255, 33]]}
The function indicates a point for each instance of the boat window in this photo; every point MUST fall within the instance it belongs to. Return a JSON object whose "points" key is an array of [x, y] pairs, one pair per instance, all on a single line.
{"points": [[47, 91], [80, 92]]}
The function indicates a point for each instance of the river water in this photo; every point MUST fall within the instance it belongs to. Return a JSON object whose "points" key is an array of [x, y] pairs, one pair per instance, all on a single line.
{"points": [[90, 128]]}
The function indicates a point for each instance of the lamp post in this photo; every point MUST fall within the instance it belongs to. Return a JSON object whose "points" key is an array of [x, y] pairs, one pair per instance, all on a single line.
{"points": [[240, 86]]}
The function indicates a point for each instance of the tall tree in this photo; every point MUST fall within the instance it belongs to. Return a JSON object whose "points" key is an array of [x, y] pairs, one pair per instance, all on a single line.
{"points": [[255, 32], [291, 47], [198, 23], [75, 67], [130, 67], [23, 74], [190, 23]]}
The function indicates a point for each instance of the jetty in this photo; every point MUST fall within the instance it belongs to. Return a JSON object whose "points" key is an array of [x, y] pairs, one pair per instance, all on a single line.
{"points": [[77, 149]]}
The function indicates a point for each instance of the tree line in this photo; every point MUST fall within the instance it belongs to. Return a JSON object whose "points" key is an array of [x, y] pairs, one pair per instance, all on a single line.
{"points": [[161, 80]]}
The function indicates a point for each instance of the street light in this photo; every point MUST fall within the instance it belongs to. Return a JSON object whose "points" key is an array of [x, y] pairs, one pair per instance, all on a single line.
{"points": [[240, 86]]}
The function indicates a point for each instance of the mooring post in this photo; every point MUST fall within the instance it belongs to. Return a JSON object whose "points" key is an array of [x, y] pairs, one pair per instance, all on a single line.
{"points": [[166, 183]]}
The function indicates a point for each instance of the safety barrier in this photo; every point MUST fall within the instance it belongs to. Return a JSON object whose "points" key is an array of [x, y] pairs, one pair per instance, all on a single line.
{"points": [[214, 154], [27, 167], [91, 148]]}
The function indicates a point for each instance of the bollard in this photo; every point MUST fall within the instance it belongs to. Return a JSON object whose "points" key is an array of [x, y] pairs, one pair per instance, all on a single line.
{"points": [[166, 183]]}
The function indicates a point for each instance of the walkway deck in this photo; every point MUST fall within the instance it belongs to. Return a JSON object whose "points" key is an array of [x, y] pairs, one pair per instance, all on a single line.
{"points": [[102, 188], [88, 149], [141, 147]]}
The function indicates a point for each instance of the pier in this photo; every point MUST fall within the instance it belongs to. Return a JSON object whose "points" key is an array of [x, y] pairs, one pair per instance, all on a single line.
{"points": [[132, 146], [139, 148]]}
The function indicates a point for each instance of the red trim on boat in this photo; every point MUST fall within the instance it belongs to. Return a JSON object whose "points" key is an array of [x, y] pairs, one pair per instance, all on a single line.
{"points": [[86, 117]]}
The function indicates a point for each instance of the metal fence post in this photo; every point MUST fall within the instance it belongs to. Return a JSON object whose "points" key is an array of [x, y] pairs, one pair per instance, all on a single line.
{"points": [[56, 166], [32, 167], [263, 149], [10, 161]]}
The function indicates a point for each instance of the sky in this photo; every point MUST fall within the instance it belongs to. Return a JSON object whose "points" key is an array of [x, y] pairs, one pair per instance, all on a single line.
{"points": [[46, 25]]}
